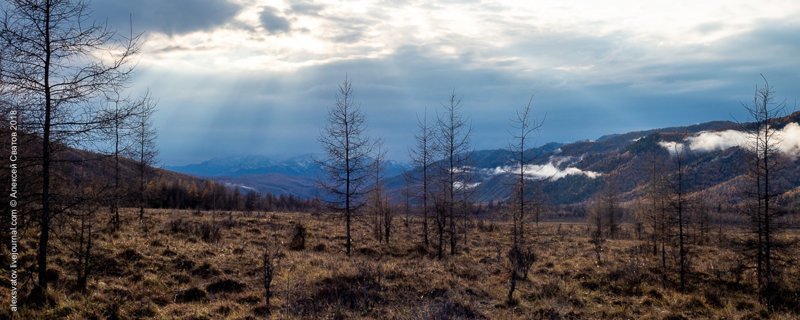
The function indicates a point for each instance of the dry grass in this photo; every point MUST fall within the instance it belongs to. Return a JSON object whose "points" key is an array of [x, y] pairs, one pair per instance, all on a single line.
{"points": [[185, 268]]}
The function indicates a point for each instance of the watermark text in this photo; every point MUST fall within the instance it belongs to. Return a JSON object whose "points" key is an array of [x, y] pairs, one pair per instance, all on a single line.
{"points": [[12, 203]]}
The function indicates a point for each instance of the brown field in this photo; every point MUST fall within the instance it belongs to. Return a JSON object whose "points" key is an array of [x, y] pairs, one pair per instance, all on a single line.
{"points": [[172, 273]]}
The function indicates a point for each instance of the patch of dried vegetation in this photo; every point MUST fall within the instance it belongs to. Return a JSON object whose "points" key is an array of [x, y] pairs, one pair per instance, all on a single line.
{"points": [[179, 270]]}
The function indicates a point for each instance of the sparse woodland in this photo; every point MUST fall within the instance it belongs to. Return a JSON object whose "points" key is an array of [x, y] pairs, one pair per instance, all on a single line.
{"points": [[105, 235]]}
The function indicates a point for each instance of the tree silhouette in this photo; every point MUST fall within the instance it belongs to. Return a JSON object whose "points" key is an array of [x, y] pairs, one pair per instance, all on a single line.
{"points": [[422, 158], [764, 167], [51, 64], [523, 127], [452, 141], [347, 149]]}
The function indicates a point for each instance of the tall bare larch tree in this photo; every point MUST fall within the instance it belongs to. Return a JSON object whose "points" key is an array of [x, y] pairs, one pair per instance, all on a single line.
{"points": [[144, 151], [764, 112], [347, 149], [523, 127], [452, 141], [51, 61], [422, 158]]}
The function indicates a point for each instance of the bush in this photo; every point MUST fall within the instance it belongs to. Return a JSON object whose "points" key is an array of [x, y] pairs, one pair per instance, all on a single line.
{"points": [[522, 260], [205, 270], [551, 289], [630, 276], [452, 310], [179, 226], [130, 255], [190, 295], [298, 238], [226, 286], [209, 232], [229, 222], [485, 227]]}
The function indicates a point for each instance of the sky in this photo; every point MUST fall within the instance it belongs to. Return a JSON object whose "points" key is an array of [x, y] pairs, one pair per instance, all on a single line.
{"points": [[239, 77]]}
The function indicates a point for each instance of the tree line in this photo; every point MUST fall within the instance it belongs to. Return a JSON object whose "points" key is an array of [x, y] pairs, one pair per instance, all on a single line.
{"points": [[207, 195]]}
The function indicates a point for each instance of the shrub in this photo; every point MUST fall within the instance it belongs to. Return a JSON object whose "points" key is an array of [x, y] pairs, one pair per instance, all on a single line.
{"points": [[551, 289], [271, 256], [485, 227], [229, 222], [452, 310], [179, 226], [205, 270], [226, 286], [130, 255], [190, 295], [522, 260], [298, 237], [209, 232], [631, 275]]}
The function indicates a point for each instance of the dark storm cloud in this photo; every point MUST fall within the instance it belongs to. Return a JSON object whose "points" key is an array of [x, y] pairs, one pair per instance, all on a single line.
{"points": [[632, 88], [273, 22], [166, 16]]}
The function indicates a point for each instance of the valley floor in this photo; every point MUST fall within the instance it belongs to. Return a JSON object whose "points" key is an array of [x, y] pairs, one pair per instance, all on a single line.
{"points": [[186, 268]]}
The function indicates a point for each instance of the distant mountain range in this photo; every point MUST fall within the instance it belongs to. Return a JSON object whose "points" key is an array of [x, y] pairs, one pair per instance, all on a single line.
{"points": [[714, 155], [297, 175]]}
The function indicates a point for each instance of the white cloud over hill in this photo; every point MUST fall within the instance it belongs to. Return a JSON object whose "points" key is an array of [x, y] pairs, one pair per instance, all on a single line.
{"points": [[786, 138], [547, 171]]}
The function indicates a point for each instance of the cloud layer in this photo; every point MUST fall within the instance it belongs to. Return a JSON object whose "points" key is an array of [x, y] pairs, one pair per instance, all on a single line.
{"points": [[274, 22], [547, 171], [165, 16], [787, 140], [246, 76], [716, 141]]}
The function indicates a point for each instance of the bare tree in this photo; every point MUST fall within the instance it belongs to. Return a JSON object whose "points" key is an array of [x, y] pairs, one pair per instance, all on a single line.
{"points": [[347, 148], [79, 221], [639, 216], [452, 140], [117, 133], [382, 214], [84, 250], [609, 206], [146, 152], [703, 221], [523, 127], [51, 63], [764, 112], [271, 257], [440, 221], [407, 194], [679, 204], [597, 239], [657, 211], [388, 219], [422, 158], [119, 130]]}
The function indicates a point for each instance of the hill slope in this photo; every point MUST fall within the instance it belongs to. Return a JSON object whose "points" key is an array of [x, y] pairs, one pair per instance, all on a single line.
{"points": [[715, 158]]}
